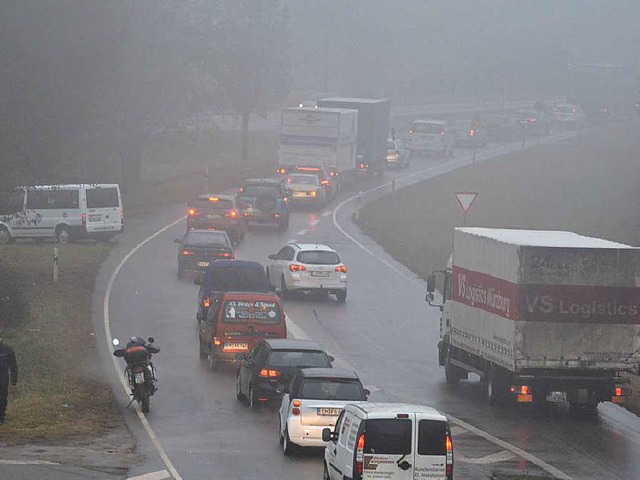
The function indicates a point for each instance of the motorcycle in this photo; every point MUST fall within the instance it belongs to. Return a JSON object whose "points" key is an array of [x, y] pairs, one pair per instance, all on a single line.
{"points": [[140, 372]]}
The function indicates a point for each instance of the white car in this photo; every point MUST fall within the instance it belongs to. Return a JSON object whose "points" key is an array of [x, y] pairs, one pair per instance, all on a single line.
{"points": [[306, 188], [307, 267], [312, 402], [431, 136]]}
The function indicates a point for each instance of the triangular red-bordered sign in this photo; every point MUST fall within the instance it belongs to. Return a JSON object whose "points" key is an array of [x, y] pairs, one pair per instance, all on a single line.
{"points": [[466, 200]]}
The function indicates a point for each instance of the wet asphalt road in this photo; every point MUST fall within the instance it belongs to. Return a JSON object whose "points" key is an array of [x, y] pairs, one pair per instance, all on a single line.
{"points": [[384, 330]]}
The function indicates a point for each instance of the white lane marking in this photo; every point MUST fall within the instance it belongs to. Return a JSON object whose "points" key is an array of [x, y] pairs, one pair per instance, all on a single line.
{"points": [[327, 213], [27, 462], [501, 456], [302, 232], [160, 475], [107, 330], [314, 222]]}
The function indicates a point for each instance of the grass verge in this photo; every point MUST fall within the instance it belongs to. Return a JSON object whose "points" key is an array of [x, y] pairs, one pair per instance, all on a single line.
{"points": [[59, 394]]}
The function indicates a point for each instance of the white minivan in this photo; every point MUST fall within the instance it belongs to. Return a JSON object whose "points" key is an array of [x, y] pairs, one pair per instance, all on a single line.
{"points": [[63, 212], [394, 441], [431, 137]]}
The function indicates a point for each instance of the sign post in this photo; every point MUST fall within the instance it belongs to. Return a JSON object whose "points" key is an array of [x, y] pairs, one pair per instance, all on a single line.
{"points": [[55, 264], [465, 201]]}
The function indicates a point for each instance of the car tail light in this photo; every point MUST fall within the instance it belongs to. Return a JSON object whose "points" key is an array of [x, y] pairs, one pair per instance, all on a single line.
{"points": [[206, 302], [314, 193], [533, 120], [295, 411], [442, 133], [297, 268], [619, 391], [267, 373], [297, 403], [192, 212], [449, 448], [282, 171], [187, 252], [325, 182], [232, 214], [277, 215], [472, 132], [520, 389], [289, 180], [216, 341], [411, 131], [84, 219], [224, 255], [360, 455], [341, 268], [362, 166], [574, 110], [334, 174]]}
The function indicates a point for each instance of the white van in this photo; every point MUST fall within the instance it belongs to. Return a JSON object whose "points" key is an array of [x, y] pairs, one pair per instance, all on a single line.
{"points": [[61, 211], [431, 136], [394, 441]]}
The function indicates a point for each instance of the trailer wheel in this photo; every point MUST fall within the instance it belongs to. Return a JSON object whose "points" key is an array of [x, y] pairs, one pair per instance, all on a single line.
{"points": [[452, 373], [496, 385]]}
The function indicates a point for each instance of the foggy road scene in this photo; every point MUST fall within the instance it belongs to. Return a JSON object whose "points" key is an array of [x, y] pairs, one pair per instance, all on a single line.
{"points": [[298, 239]]}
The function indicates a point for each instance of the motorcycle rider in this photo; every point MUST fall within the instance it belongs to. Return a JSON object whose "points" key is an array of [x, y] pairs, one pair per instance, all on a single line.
{"points": [[138, 344]]}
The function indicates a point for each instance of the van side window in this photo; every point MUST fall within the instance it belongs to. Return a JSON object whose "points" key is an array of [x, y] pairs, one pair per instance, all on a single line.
{"points": [[432, 437], [391, 436], [11, 202], [52, 199], [102, 198], [446, 291], [343, 426]]}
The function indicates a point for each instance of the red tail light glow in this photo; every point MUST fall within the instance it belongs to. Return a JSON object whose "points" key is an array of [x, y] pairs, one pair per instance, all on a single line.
{"points": [[619, 391], [442, 133], [308, 169], [232, 214], [449, 448], [297, 268], [411, 131], [362, 166], [187, 252], [84, 218], [224, 255], [282, 171], [192, 212], [533, 120], [216, 341], [295, 411], [325, 182], [360, 454], [472, 132], [206, 302], [341, 268], [266, 373]]}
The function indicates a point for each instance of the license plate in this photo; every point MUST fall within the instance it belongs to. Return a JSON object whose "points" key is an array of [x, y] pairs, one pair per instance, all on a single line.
{"points": [[332, 412], [235, 346], [214, 215], [139, 377], [300, 194], [95, 218], [557, 397], [203, 264], [320, 274]]}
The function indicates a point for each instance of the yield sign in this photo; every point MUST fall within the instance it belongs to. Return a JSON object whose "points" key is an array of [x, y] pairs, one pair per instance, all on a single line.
{"points": [[465, 200]]}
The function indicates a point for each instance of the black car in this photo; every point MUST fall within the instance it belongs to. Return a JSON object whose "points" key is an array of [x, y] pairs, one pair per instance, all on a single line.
{"points": [[217, 212], [264, 200], [274, 362], [198, 248]]}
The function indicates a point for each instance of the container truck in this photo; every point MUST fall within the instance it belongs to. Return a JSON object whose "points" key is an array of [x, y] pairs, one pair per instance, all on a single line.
{"points": [[540, 316], [321, 141], [373, 129]]}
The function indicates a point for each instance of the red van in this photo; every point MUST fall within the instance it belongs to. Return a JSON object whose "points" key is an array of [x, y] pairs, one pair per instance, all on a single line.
{"points": [[236, 321]]}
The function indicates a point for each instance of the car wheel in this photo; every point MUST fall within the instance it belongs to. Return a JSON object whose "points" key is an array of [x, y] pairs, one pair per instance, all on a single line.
{"points": [[284, 291], [341, 296], [62, 234], [180, 272], [239, 395], [212, 360], [280, 435], [253, 400], [288, 448], [5, 236], [204, 355]]}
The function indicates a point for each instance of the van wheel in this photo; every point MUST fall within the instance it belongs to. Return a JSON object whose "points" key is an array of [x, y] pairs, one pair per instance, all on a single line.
{"points": [[288, 448], [325, 472], [341, 296], [62, 234], [239, 395], [213, 362], [5, 236]]}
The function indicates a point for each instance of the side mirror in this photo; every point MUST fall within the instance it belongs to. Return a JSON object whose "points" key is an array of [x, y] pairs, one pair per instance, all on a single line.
{"points": [[429, 297], [197, 280], [332, 358], [273, 256], [151, 340], [431, 283], [119, 352], [367, 392], [177, 240], [328, 435]]}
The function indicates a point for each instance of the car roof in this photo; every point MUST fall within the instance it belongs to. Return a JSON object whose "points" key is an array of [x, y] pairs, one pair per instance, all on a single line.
{"points": [[293, 344], [313, 246], [329, 373], [236, 263], [385, 410]]}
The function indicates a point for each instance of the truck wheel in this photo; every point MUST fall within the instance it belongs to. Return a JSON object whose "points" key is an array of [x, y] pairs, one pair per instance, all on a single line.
{"points": [[452, 373], [495, 383]]}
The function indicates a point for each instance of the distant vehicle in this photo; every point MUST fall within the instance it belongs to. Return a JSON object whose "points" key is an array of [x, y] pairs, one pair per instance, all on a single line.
{"points": [[236, 322], [329, 180], [272, 362], [531, 123], [374, 118], [395, 159], [308, 104], [306, 188], [394, 441], [538, 293], [264, 200], [569, 115], [323, 139], [217, 212], [229, 276], [63, 212], [431, 137], [198, 248], [308, 267], [313, 401], [466, 135]]}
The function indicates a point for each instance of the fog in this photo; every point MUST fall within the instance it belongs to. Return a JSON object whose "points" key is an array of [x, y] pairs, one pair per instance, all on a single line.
{"points": [[83, 81]]}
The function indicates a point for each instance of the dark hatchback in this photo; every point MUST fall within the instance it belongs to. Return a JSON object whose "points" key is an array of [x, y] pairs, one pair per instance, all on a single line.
{"points": [[199, 248], [217, 212], [264, 200], [229, 276], [273, 362]]}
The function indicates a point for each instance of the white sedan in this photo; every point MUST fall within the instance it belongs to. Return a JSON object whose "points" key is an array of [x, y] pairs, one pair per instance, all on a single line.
{"points": [[307, 267], [313, 401]]}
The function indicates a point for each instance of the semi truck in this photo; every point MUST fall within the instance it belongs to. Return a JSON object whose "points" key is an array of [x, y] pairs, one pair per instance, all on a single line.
{"points": [[319, 140], [540, 316], [373, 129]]}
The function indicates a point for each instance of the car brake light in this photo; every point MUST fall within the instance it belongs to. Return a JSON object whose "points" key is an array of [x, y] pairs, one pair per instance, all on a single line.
{"points": [[216, 341], [360, 454], [267, 373], [281, 171], [308, 169], [442, 133], [574, 110], [224, 255], [314, 193], [206, 302], [295, 411], [525, 390], [325, 182], [619, 391], [472, 132], [411, 131], [362, 166], [192, 212], [187, 252], [84, 218], [334, 174], [289, 180], [232, 214], [341, 268], [520, 389], [297, 268], [449, 448], [533, 120]]}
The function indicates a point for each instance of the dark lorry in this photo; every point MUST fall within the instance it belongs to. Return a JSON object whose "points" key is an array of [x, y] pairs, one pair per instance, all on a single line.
{"points": [[373, 129]]}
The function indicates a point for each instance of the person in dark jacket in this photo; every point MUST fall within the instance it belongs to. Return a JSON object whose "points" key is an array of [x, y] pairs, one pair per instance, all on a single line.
{"points": [[8, 371]]}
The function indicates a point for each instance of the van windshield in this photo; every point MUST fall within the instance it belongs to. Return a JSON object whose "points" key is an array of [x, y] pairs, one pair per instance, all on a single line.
{"points": [[102, 198], [432, 437], [391, 436]]}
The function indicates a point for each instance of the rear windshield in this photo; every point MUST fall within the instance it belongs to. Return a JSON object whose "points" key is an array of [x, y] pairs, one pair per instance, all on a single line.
{"points": [[432, 436], [207, 238], [298, 358], [462, 125], [391, 436], [428, 127], [238, 279], [332, 389], [318, 257], [303, 179], [564, 109], [261, 190], [391, 146], [220, 204], [261, 312], [102, 198]]}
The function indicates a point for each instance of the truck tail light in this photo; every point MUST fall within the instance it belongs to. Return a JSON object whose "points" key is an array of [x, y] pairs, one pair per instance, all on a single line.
{"points": [[360, 455], [297, 268], [187, 252], [341, 268], [267, 373], [206, 302], [449, 448]]}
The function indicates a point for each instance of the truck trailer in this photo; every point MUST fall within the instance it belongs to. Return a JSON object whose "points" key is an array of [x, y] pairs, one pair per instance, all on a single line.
{"points": [[373, 129], [540, 316]]}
